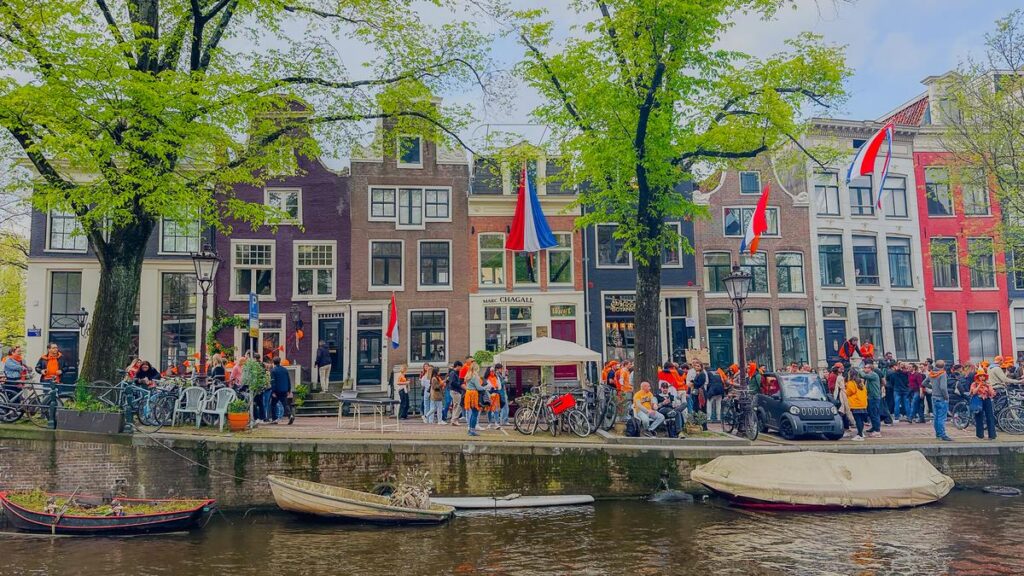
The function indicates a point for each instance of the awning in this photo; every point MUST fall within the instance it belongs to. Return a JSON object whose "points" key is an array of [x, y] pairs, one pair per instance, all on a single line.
{"points": [[547, 352]]}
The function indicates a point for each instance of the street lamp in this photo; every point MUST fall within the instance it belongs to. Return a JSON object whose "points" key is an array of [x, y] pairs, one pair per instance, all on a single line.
{"points": [[206, 263], [737, 285]]}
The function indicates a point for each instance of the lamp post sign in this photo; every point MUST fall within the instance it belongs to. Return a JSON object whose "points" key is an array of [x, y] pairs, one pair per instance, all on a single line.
{"points": [[254, 319]]}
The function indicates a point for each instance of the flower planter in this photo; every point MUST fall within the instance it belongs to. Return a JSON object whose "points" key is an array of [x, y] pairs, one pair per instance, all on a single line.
{"points": [[238, 421], [99, 422]]}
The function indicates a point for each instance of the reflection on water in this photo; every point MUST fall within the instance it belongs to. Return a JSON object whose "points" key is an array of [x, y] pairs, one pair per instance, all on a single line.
{"points": [[968, 533]]}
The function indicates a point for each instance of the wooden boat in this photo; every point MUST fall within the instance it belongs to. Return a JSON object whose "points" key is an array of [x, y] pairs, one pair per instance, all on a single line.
{"points": [[513, 501], [305, 497], [191, 514], [825, 480]]}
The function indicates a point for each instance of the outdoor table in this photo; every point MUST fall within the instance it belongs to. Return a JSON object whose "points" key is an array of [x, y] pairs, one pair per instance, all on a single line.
{"points": [[380, 412]]}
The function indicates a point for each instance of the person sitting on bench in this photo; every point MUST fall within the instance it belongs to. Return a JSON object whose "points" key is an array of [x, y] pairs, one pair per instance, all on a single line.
{"points": [[645, 409]]}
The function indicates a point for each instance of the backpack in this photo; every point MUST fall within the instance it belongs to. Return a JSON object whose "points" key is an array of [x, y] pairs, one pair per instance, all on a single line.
{"points": [[633, 428]]}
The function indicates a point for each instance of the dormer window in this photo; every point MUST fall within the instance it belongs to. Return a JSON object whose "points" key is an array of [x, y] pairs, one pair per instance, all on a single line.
{"points": [[286, 200], [410, 152]]}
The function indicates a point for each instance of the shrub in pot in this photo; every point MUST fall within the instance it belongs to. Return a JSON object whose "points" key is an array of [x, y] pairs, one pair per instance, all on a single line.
{"points": [[238, 415]]}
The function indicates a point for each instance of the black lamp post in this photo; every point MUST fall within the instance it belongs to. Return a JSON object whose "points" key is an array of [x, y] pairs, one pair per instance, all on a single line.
{"points": [[737, 285], [206, 263]]}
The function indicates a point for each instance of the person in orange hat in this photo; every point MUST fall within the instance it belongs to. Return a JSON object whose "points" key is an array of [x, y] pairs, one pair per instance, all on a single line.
{"points": [[755, 379], [982, 394], [997, 375]]}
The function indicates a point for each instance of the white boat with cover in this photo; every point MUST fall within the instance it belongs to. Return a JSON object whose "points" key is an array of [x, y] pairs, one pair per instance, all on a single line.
{"points": [[825, 480], [513, 501]]}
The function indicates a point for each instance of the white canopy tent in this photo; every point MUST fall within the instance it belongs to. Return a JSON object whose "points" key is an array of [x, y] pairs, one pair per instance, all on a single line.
{"points": [[548, 352]]}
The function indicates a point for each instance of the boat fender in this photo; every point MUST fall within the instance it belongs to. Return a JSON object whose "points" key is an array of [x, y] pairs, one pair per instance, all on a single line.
{"points": [[1002, 490]]}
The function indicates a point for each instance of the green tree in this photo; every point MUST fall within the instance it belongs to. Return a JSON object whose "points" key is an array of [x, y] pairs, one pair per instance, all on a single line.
{"points": [[643, 99], [980, 112], [13, 263], [132, 111]]}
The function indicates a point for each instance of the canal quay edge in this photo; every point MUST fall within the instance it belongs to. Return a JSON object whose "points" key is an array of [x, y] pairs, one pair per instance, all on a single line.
{"points": [[234, 470]]}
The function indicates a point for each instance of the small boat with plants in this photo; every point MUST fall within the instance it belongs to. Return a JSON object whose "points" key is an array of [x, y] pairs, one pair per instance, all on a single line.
{"points": [[514, 501], [404, 505], [825, 480], [55, 513]]}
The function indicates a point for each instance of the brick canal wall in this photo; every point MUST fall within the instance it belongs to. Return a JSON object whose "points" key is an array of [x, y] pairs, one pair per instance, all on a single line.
{"points": [[65, 461]]}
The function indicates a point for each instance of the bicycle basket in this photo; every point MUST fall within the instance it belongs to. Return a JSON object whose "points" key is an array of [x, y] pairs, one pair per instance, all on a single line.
{"points": [[562, 403]]}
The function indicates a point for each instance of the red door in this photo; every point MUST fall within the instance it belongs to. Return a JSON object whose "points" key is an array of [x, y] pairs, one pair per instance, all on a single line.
{"points": [[564, 330]]}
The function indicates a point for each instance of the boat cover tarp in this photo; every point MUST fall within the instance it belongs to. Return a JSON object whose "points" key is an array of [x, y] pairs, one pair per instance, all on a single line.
{"points": [[828, 479]]}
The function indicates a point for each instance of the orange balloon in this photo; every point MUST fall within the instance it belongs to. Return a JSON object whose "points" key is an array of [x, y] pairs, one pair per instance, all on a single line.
{"points": [[299, 335], [285, 362]]}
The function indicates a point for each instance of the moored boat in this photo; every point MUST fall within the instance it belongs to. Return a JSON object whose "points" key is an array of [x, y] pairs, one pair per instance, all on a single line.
{"points": [[514, 501], [825, 480], [305, 497], [116, 517]]}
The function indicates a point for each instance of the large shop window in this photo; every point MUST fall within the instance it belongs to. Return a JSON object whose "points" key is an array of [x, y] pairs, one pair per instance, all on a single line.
{"points": [[895, 194], [869, 323], [253, 263], [716, 268], [945, 262], [560, 260], [66, 233], [435, 264], [757, 337], [492, 259], [862, 197], [619, 331], [982, 262], [314, 269], [610, 250], [936, 184], [793, 326], [826, 193], [904, 331], [178, 238], [900, 268], [428, 338], [507, 326], [983, 335], [177, 318], [789, 268], [865, 260], [757, 266], [385, 264], [830, 260]]}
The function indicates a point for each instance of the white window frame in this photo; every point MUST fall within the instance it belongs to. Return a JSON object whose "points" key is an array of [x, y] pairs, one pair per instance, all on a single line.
{"points": [[995, 272], [49, 234], [273, 269], [679, 248], [297, 221], [242, 334], [739, 182], [988, 199], [504, 261], [429, 288], [408, 333], [597, 258], [369, 267], [953, 332], [831, 185], [572, 261], [956, 256], [890, 198], [803, 275], [398, 151], [160, 239], [999, 331], [705, 268], [397, 204], [949, 190], [446, 189], [743, 231], [295, 270], [369, 204]]}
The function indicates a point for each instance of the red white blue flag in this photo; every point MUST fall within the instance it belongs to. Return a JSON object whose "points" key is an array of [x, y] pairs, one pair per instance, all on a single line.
{"points": [[758, 225], [864, 162], [530, 231], [393, 324]]}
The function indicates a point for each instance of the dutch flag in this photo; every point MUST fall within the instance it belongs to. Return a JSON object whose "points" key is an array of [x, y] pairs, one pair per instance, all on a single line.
{"points": [[864, 162], [393, 324], [530, 231], [758, 225]]}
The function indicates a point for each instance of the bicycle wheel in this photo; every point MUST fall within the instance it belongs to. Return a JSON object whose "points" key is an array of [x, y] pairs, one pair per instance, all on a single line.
{"points": [[961, 416], [607, 417], [554, 423], [578, 423], [1011, 420], [162, 409], [40, 412], [525, 420], [728, 417], [751, 425], [9, 413]]}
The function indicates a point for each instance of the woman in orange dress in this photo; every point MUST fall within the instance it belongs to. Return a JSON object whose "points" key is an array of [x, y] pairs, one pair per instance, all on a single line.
{"points": [[493, 385], [471, 401]]}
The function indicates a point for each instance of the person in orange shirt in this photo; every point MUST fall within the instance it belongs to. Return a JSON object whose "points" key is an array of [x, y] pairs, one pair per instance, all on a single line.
{"points": [[493, 389], [51, 365], [623, 377], [608, 372], [985, 416]]}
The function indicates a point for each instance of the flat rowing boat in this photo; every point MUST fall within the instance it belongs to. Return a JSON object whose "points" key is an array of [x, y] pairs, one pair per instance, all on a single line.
{"points": [[170, 516], [825, 480], [513, 501], [305, 497]]}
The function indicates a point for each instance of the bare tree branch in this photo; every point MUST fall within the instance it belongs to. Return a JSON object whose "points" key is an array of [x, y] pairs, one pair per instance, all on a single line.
{"points": [[613, 38], [324, 14], [115, 31], [217, 34], [556, 83]]}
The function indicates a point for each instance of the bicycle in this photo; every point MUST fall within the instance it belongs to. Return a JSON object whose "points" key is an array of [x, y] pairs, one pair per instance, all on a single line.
{"points": [[534, 413], [739, 415], [607, 408], [38, 407]]}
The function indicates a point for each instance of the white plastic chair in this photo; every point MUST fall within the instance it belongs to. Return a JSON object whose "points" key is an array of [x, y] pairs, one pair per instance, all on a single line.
{"points": [[217, 404], [191, 401]]}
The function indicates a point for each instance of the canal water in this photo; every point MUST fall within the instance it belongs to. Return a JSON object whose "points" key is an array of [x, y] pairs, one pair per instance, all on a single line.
{"points": [[968, 533]]}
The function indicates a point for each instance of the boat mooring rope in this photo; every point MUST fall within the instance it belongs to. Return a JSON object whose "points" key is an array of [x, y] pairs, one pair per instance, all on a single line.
{"points": [[190, 460]]}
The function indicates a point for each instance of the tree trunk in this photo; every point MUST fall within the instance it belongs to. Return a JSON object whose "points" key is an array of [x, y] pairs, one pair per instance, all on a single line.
{"points": [[647, 323], [113, 315]]}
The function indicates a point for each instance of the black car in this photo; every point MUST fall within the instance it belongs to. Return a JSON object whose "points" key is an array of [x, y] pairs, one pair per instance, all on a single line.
{"points": [[798, 405]]}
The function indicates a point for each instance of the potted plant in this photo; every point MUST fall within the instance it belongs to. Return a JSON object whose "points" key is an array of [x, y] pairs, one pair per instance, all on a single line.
{"points": [[87, 414], [238, 415]]}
